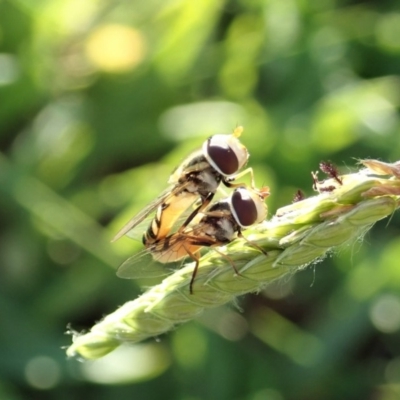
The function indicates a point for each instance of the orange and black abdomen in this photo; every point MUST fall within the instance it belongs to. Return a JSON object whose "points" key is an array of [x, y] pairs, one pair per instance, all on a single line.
{"points": [[167, 215]]}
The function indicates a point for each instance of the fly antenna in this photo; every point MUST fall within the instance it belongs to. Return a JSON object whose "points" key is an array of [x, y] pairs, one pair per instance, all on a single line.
{"points": [[264, 192], [237, 131]]}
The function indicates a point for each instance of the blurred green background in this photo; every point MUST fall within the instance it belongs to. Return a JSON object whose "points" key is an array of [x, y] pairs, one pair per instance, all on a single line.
{"points": [[100, 100]]}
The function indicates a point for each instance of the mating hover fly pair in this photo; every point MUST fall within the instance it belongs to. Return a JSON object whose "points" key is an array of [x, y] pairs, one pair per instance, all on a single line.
{"points": [[195, 182]]}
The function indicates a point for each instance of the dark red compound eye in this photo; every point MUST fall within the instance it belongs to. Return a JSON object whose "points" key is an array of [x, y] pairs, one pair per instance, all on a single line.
{"points": [[222, 156], [244, 208]]}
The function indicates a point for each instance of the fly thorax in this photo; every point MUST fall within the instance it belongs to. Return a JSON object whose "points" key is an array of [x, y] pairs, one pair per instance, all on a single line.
{"points": [[209, 180], [226, 230], [210, 229], [194, 162]]}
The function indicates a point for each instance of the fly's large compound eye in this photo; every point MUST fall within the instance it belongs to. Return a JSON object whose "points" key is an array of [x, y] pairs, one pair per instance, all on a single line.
{"points": [[248, 207], [243, 208], [225, 153]]}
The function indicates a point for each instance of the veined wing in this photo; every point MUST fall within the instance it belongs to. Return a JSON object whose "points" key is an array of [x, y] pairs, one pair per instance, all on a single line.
{"points": [[136, 233], [177, 213], [142, 265], [146, 264], [150, 263], [138, 218]]}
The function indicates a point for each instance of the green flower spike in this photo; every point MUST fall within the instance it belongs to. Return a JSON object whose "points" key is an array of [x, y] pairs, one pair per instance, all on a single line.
{"points": [[298, 235]]}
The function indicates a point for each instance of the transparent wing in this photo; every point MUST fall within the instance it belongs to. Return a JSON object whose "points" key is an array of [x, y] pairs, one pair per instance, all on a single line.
{"points": [[138, 218], [145, 266], [139, 223], [142, 265], [151, 262], [136, 233]]}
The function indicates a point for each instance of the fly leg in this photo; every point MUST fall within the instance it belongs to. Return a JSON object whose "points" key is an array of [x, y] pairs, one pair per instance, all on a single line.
{"points": [[196, 259], [255, 245], [197, 210], [230, 261], [193, 241], [228, 181], [206, 243]]}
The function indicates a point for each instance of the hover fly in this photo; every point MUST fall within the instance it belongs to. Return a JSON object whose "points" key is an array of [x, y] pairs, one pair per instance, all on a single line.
{"points": [[197, 178], [219, 224]]}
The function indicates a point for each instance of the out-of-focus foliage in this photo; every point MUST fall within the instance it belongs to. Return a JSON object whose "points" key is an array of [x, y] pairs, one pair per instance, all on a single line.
{"points": [[100, 100]]}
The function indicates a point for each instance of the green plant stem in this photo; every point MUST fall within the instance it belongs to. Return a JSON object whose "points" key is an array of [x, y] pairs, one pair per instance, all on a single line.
{"points": [[297, 236]]}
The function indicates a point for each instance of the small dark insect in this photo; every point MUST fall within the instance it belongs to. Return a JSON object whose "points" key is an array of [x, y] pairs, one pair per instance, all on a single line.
{"points": [[317, 185], [331, 170], [327, 189], [299, 195]]}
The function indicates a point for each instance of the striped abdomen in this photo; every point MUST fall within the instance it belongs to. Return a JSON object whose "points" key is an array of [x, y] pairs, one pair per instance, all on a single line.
{"points": [[166, 216]]}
